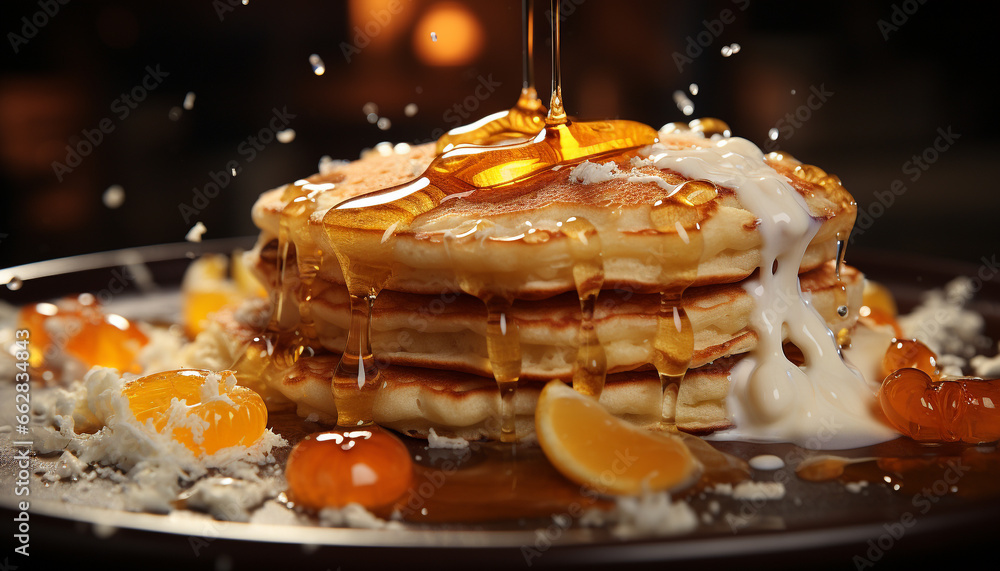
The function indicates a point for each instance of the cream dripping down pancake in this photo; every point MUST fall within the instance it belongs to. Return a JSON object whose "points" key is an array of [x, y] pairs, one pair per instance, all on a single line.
{"points": [[705, 235]]}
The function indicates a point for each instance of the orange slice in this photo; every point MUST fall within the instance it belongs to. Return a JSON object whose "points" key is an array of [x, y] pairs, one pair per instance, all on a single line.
{"points": [[592, 447]]}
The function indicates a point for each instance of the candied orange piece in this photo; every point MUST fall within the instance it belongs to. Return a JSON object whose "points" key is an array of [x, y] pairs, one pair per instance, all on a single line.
{"points": [[108, 341], [84, 332], [910, 354], [950, 409], [33, 317], [594, 448], [231, 415], [367, 466]]}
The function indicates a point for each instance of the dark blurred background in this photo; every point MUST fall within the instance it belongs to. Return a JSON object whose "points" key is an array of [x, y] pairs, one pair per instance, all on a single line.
{"points": [[858, 87]]}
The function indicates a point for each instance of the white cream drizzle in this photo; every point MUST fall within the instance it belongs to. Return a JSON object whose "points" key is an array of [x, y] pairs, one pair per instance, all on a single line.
{"points": [[825, 404]]}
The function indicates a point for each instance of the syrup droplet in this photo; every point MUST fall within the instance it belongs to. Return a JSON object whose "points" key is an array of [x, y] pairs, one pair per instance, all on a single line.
{"points": [[318, 67], [114, 196], [840, 291], [522, 121], [290, 331], [683, 102], [356, 378]]}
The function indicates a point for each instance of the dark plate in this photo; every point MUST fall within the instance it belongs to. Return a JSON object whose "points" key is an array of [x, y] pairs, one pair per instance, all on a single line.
{"points": [[816, 524]]}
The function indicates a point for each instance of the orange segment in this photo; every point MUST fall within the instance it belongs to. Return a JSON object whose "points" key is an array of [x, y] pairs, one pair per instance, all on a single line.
{"points": [[594, 448], [366, 466], [231, 415]]}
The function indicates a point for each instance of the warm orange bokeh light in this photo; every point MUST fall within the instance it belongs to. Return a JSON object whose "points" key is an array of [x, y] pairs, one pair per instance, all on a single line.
{"points": [[458, 32], [377, 24]]}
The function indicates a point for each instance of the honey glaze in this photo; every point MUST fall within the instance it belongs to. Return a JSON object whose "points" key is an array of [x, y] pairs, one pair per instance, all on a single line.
{"points": [[923, 475], [493, 482], [504, 349], [490, 482], [501, 157]]}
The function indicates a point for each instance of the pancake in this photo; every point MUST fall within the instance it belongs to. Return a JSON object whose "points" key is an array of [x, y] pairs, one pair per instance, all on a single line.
{"points": [[448, 331], [413, 400], [587, 255], [454, 392], [515, 239]]}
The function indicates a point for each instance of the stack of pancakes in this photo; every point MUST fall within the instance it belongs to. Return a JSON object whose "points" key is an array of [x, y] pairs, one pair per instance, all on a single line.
{"points": [[429, 338]]}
